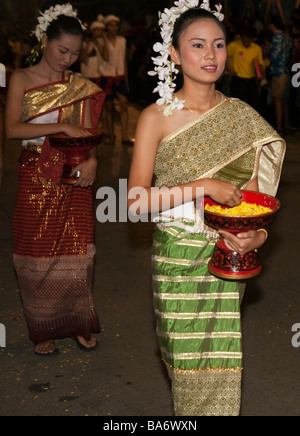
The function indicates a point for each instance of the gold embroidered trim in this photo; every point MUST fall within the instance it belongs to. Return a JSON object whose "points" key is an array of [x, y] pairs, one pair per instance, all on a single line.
{"points": [[193, 242], [184, 262], [212, 296], [206, 392], [182, 279], [190, 371], [199, 335], [202, 315], [204, 355]]}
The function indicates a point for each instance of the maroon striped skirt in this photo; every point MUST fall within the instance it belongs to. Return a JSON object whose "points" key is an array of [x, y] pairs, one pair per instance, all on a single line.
{"points": [[54, 255]]}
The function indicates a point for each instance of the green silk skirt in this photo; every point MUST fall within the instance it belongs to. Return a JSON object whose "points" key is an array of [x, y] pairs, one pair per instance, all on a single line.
{"points": [[198, 324]]}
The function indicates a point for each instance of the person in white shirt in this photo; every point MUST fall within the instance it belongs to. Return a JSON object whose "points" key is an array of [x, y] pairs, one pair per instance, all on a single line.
{"points": [[94, 52], [114, 80]]}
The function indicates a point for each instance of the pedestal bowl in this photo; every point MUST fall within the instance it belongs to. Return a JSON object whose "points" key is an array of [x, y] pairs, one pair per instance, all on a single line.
{"points": [[230, 265]]}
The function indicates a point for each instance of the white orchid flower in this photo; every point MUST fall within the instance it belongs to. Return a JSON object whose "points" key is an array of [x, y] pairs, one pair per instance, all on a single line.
{"points": [[205, 5], [165, 68], [51, 14], [176, 104], [218, 13], [67, 9], [168, 111]]}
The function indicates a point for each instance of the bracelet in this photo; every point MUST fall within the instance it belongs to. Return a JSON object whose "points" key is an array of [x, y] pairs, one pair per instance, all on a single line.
{"points": [[264, 230]]}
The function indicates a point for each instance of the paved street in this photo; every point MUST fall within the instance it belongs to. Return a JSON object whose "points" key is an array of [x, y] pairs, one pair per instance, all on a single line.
{"points": [[125, 376]]}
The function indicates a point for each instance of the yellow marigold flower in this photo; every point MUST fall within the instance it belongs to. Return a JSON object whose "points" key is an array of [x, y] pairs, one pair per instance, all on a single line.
{"points": [[243, 209]]}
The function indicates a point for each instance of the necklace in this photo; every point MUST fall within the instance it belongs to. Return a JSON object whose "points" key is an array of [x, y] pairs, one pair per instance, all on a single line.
{"points": [[191, 110]]}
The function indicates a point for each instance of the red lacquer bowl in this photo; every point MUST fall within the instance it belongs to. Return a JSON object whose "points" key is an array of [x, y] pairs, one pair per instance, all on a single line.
{"points": [[76, 151], [230, 265], [237, 224]]}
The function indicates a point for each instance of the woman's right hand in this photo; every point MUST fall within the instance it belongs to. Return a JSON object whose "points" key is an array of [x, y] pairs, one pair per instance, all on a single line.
{"points": [[74, 131], [222, 192]]}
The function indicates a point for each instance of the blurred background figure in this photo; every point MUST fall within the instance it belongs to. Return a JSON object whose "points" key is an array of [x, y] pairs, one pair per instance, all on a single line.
{"points": [[6, 68], [242, 55], [280, 58], [94, 51], [114, 79]]}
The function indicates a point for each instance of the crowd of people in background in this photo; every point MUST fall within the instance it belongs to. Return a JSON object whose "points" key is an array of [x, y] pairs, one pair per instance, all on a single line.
{"points": [[104, 61], [117, 56], [261, 57]]}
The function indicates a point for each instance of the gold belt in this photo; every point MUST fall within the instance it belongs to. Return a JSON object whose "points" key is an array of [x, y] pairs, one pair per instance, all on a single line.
{"points": [[32, 146]]}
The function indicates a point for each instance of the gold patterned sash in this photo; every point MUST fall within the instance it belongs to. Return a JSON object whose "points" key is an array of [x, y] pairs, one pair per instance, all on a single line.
{"points": [[231, 142], [68, 96]]}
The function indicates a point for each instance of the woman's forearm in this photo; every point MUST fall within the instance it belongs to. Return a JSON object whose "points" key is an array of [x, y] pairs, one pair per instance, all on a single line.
{"points": [[31, 131], [153, 200]]}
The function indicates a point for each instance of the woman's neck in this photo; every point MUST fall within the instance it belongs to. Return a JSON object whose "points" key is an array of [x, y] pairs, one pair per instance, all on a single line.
{"points": [[43, 70], [199, 99]]}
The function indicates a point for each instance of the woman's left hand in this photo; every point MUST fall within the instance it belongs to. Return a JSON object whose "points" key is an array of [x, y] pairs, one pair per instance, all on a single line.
{"points": [[243, 242], [88, 171]]}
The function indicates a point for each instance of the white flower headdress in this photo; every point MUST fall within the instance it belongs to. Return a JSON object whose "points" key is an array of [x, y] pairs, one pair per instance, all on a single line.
{"points": [[52, 14], [165, 67], [45, 19]]}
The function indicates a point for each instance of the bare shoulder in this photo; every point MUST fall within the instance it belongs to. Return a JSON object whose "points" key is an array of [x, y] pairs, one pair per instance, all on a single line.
{"points": [[17, 86], [19, 75], [20, 78], [16, 92], [29, 78], [147, 119], [152, 121], [152, 112]]}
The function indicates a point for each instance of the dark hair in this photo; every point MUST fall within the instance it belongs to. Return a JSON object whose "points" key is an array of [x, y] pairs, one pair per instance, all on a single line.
{"points": [[64, 24], [247, 32], [277, 21], [189, 17]]}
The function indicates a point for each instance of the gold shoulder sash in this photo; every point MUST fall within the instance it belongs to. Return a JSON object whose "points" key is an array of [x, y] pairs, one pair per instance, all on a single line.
{"points": [[69, 97], [57, 96], [231, 142]]}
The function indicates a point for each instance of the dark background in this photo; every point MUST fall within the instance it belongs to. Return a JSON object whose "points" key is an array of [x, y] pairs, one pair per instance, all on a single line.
{"points": [[20, 15]]}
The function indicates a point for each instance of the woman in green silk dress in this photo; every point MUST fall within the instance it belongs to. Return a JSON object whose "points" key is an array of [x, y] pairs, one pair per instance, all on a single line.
{"points": [[221, 145]]}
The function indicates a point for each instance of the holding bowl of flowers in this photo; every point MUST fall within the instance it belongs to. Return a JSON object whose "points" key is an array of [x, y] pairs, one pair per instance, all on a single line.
{"points": [[76, 151], [256, 212]]}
